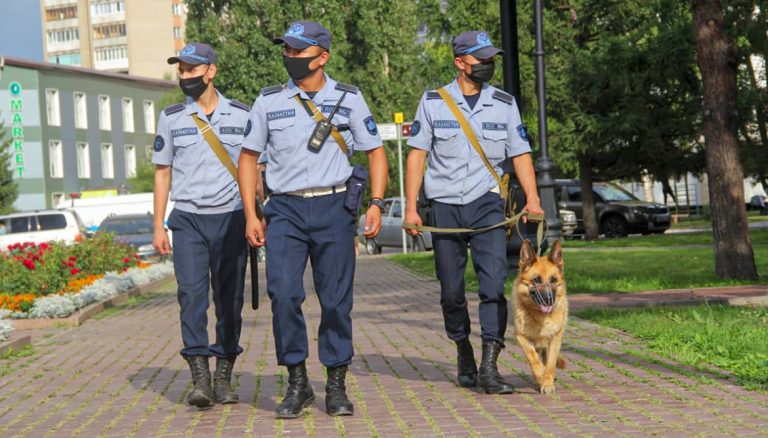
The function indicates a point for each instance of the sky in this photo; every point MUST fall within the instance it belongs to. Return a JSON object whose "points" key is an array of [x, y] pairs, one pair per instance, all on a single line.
{"points": [[21, 33]]}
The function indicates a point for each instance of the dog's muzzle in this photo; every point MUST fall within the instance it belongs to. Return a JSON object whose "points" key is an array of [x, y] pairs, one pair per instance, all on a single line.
{"points": [[544, 294]]}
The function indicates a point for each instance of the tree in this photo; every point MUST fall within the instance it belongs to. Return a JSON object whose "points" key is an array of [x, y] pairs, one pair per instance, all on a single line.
{"points": [[8, 189], [718, 62], [144, 179]]}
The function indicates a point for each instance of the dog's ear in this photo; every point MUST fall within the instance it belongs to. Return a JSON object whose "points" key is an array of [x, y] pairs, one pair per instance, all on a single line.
{"points": [[527, 255], [556, 254]]}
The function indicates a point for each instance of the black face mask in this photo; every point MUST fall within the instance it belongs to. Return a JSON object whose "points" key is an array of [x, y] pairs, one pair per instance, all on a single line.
{"points": [[298, 68], [481, 73], [193, 87]]}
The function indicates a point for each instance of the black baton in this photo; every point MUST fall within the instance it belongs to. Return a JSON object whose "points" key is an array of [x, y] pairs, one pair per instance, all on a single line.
{"points": [[254, 276]]}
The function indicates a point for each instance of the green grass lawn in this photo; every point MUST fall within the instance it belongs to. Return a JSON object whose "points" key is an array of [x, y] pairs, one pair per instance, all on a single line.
{"points": [[758, 236], [703, 222], [621, 270], [731, 338]]}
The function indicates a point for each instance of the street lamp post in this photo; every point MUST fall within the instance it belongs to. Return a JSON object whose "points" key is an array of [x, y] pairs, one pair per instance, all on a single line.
{"points": [[544, 165]]}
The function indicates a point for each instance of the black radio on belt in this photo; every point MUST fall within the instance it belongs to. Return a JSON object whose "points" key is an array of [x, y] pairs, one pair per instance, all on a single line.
{"points": [[323, 128]]}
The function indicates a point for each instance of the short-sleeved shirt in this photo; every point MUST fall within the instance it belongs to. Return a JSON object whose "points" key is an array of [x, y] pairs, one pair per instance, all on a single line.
{"points": [[282, 127], [455, 172], [199, 181]]}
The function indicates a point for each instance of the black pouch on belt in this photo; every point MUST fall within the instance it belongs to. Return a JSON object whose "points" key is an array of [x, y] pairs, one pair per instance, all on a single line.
{"points": [[356, 189]]}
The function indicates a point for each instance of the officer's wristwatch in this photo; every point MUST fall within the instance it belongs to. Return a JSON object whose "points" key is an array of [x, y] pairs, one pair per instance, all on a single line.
{"points": [[377, 202]]}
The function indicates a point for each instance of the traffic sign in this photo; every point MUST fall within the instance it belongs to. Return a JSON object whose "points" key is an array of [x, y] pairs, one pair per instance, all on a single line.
{"points": [[387, 131], [405, 130]]}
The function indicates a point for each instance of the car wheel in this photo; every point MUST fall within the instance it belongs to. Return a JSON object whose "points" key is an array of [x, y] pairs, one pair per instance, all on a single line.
{"points": [[417, 244], [615, 226], [371, 247]]}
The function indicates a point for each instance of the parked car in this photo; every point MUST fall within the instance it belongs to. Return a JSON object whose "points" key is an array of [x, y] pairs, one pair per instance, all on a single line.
{"points": [[391, 231], [136, 230], [40, 226], [618, 212]]}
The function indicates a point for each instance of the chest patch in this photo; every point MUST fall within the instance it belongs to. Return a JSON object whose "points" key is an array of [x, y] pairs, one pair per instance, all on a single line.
{"points": [[491, 126], [283, 114], [224, 130], [439, 124], [183, 131], [342, 111]]}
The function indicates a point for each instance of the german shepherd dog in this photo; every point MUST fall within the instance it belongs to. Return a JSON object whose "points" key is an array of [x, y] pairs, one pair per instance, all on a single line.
{"points": [[541, 312]]}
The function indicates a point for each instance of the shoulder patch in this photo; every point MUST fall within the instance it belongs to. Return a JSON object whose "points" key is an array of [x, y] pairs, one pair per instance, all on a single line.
{"points": [[238, 104], [173, 109], [433, 95], [504, 97], [266, 91], [346, 87]]}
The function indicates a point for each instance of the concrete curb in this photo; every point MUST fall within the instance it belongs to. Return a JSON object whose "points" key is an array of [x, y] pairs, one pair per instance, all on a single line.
{"points": [[15, 344], [749, 295], [82, 315]]}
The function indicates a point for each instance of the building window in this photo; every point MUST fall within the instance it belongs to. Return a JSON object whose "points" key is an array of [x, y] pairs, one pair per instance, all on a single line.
{"points": [[149, 116], [61, 13], [105, 114], [127, 114], [130, 161], [81, 112], [107, 161], [83, 161], [52, 107], [111, 53], [63, 35], [65, 58], [177, 32], [104, 31], [176, 9], [56, 198], [109, 7], [56, 158]]}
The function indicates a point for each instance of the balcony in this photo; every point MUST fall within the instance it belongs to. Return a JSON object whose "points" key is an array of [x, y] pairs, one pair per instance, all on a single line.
{"points": [[112, 65]]}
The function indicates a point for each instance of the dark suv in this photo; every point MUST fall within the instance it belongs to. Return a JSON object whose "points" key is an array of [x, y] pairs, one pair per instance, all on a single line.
{"points": [[618, 212]]}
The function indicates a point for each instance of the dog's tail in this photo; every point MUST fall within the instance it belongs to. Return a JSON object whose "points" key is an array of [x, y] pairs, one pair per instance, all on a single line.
{"points": [[560, 362]]}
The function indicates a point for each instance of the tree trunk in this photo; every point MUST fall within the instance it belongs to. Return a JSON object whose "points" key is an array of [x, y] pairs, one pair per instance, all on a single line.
{"points": [[587, 199], [717, 60]]}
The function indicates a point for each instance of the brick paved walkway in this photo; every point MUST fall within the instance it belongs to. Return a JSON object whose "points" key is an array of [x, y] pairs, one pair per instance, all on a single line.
{"points": [[122, 376]]}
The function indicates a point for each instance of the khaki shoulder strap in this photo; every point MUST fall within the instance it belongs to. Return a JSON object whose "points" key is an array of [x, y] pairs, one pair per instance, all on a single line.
{"points": [[470, 135], [318, 117], [216, 145]]}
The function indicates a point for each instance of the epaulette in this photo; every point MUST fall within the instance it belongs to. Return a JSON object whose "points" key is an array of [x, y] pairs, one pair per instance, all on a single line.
{"points": [[433, 95], [346, 87], [238, 104], [504, 97], [266, 91], [173, 109]]}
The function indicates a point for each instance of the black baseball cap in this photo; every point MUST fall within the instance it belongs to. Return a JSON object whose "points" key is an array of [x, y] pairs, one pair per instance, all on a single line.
{"points": [[476, 43], [195, 54], [302, 34]]}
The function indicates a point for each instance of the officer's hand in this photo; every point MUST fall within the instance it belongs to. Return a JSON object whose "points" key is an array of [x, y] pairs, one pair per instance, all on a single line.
{"points": [[412, 217], [533, 208], [372, 221], [256, 232], [160, 242]]}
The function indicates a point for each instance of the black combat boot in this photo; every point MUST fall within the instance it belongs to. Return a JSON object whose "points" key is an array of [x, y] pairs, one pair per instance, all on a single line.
{"points": [[489, 379], [465, 363], [336, 401], [222, 381], [298, 395], [201, 394]]}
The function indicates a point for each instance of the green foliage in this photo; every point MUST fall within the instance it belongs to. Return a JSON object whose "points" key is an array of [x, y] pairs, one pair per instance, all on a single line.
{"points": [[144, 179], [8, 189], [757, 237], [730, 338]]}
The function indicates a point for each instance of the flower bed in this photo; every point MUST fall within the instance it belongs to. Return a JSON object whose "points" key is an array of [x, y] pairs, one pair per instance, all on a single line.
{"points": [[54, 280]]}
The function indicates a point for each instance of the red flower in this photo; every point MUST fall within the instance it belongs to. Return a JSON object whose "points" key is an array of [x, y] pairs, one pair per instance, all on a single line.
{"points": [[136, 256], [125, 269], [44, 246], [72, 258], [29, 264], [71, 264], [127, 260], [74, 271]]}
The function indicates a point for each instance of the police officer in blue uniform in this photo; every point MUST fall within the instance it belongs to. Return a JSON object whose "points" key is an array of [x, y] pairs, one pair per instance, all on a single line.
{"points": [[311, 212], [464, 194], [207, 220]]}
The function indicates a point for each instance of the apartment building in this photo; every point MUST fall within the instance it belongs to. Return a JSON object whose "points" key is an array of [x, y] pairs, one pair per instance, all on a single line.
{"points": [[119, 36]]}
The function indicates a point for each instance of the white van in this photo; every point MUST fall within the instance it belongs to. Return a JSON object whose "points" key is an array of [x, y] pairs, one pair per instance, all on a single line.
{"points": [[40, 226]]}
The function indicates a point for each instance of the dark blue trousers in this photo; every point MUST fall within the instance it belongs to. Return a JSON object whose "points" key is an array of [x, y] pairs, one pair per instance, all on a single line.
{"points": [[488, 257], [321, 230], [209, 251]]}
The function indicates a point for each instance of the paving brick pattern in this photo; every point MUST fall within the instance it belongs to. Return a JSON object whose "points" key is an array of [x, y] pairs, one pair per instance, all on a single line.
{"points": [[122, 376]]}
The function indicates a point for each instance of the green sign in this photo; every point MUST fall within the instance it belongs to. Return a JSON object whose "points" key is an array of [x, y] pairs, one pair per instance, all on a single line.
{"points": [[17, 127]]}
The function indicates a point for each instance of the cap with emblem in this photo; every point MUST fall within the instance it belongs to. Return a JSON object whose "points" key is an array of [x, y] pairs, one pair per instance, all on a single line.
{"points": [[303, 34], [195, 53], [476, 43]]}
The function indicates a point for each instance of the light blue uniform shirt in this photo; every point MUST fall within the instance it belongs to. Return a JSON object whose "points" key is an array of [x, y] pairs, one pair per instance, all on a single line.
{"points": [[455, 172], [199, 181], [282, 127]]}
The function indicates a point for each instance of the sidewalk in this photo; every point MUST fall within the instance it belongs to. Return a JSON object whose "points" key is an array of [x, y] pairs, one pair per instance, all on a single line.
{"points": [[122, 376]]}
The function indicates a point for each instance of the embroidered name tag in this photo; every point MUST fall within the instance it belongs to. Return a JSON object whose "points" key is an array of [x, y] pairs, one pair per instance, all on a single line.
{"points": [[183, 131], [284, 114], [342, 111], [224, 130], [491, 126], [445, 124]]}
